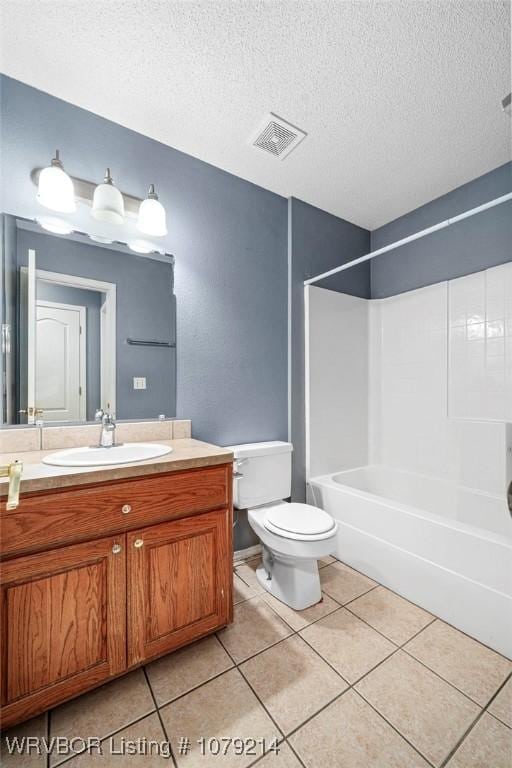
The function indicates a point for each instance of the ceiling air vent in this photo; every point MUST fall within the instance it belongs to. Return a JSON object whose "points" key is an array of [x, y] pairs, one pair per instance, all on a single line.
{"points": [[277, 137]]}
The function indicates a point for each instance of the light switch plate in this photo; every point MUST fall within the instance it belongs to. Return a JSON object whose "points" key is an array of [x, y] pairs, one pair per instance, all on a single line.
{"points": [[139, 382]]}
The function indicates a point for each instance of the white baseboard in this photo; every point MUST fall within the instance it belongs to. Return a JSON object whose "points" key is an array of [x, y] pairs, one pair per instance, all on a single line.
{"points": [[243, 554]]}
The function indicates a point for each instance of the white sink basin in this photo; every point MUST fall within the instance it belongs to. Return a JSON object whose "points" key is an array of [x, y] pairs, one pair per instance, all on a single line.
{"points": [[118, 454]]}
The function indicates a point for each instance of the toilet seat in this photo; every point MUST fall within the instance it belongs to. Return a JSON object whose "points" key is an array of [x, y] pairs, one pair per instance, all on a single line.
{"points": [[301, 522]]}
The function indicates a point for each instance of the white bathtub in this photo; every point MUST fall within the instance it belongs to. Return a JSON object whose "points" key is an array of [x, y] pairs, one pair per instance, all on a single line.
{"points": [[446, 548]]}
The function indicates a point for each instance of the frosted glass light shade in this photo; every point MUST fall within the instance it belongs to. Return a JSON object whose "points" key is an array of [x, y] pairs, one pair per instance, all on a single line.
{"points": [[152, 217], [55, 188], [107, 202]]}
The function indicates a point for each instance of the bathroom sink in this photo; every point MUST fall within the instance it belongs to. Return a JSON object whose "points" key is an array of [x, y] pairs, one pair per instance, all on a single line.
{"points": [[126, 453]]}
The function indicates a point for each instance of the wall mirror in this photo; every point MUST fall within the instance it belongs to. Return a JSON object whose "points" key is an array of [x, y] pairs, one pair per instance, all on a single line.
{"points": [[85, 325]]}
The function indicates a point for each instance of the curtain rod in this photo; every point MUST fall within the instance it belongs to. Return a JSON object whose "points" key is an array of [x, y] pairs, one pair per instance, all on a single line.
{"points": [[410, 238]]}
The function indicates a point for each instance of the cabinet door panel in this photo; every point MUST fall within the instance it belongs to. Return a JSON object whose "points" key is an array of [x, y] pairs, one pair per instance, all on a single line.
{"points": [[63, 624], [55, 635], [179, 582], [173, 565]]}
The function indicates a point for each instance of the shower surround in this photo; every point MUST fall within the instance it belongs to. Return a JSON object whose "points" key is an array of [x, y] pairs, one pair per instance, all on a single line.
{"points": [[418, 388]]}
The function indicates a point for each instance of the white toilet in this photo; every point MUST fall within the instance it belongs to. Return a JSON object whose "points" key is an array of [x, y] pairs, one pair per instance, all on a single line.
{"points": [[293, 536]]}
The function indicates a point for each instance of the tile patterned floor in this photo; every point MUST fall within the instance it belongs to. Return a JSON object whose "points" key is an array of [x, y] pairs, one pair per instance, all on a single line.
{"points": [[364, 679]]}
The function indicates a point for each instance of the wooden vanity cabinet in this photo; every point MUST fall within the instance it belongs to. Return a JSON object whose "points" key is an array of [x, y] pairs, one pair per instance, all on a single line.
{"points": [[77, 615], [178, 587], [63, 624]]}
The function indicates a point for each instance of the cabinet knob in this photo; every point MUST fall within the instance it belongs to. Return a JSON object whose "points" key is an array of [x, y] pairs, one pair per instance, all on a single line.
{"points": [[116, 549], [138, 543], [126, 508]]}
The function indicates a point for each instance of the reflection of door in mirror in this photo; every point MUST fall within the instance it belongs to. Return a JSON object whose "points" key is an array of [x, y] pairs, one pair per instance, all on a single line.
{"points": [[67, 363], [27, 341], [61, 362], [74, 349]]}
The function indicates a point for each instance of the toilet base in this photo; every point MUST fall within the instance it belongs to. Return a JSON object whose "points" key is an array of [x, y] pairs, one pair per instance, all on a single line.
{"points": [[294, 582]]}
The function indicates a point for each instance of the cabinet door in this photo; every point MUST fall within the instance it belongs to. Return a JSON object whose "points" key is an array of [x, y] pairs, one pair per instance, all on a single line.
{"points": [[179, 582], [63, 627]]}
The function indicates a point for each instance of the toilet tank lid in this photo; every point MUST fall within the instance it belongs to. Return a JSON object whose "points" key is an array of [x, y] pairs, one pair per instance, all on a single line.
{"points": [[270, 448]]}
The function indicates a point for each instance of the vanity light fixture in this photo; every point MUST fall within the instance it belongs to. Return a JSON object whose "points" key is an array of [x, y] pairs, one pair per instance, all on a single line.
{"points": [[54, 225], [107, 202], [152, 217], [55, 188]]}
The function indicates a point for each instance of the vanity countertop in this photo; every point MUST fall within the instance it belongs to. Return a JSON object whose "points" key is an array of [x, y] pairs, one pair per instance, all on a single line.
{"points": [[187, 453]]}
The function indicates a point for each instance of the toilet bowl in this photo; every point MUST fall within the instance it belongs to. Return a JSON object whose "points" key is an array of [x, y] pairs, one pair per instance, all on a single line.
{"points": [[289, 568], [293, 536]]}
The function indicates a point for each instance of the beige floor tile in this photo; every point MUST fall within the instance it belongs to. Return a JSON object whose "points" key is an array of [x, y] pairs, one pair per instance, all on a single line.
{"points": [[149, 743], [350, 734], [501, 707], [343, 583], [103, 711], [467, 664], [430, 713], [300, 619], [488, 745], [223, 708], [255, 627], [26, 758], [241, 591], [247, 572], [283, 757], [327, 560], [179, 672], [346, 642], [390, 614], [292, 682]]}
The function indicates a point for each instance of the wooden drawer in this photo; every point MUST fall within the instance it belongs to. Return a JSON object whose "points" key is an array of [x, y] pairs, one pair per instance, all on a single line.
{"points": [[61, 517]]}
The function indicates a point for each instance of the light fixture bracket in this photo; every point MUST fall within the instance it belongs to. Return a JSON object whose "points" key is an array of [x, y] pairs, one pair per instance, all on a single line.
{"points": [[152, 195], [56, 161]]}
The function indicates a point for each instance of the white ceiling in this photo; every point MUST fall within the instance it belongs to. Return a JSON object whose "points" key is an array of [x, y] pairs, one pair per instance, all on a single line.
{"points": [[400, 100]]}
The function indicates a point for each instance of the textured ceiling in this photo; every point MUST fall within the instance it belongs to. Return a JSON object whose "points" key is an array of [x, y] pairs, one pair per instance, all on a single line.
{"points": [[400, 100]]}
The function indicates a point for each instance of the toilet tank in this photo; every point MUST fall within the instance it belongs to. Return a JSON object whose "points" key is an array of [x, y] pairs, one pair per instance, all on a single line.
{"points": [[265, 473]]}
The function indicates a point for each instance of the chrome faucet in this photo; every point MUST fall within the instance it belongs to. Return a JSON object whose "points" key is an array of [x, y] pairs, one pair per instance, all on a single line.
{"points": [[108, 428]]}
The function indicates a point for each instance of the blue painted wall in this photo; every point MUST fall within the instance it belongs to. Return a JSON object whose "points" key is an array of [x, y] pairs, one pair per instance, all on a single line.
{"points": [[317, 242], [229, 238], [473, 244]]}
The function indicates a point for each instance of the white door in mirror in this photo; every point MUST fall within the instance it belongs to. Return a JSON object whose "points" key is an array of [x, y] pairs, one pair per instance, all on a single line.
{"points": [[119, 454], [60, 361]]}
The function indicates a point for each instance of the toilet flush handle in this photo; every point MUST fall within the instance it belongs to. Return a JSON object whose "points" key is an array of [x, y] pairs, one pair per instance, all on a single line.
{"points": [[236, 466]]}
